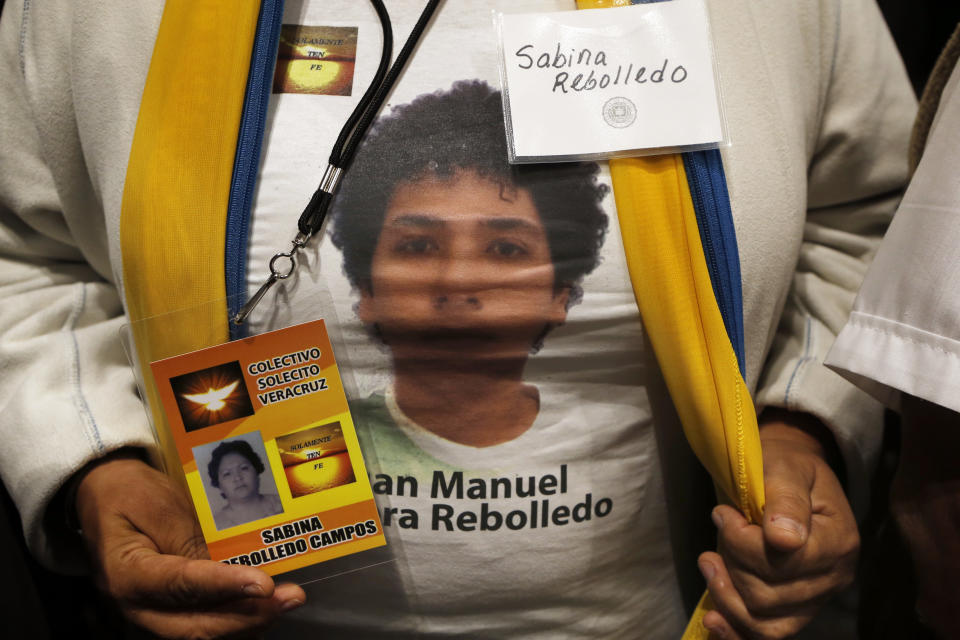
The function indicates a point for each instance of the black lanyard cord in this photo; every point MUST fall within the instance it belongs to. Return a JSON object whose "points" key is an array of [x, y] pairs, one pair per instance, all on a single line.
{"points": [[356, 126], [386, 85], [311, 220], [371, 92]]}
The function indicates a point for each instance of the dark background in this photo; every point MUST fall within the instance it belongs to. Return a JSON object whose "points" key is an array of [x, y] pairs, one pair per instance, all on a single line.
{"points": [[38, 604]]}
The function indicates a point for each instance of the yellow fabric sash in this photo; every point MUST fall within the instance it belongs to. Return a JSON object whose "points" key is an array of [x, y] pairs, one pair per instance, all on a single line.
{"points": [[174, 210], [671, 284], [174, 215]]}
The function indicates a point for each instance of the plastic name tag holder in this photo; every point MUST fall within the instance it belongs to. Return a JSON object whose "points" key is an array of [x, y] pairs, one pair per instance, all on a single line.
{"points": [[259, 432], [608, 83]]}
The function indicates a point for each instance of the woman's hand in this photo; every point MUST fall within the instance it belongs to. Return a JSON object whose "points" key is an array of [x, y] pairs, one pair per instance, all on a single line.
{"points": [[768, 580], [149, 555]]}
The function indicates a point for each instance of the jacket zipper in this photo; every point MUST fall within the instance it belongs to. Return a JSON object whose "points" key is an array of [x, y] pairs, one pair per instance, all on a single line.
{"points": [[247, 160], [708, 189]]}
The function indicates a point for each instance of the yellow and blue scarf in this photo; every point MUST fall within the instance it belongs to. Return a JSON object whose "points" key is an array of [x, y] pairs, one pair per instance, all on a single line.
{"points": [[190, 181]]}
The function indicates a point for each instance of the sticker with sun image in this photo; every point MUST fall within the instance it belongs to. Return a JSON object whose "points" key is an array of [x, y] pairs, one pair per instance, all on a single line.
{"points": [[211, 396], [315, 459]]}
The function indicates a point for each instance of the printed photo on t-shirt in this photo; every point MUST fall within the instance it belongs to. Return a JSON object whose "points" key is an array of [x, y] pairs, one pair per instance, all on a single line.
{"points": [[461, 263]]}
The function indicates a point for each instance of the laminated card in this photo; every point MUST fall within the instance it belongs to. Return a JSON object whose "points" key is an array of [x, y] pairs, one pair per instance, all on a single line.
{"points": [[269, 450]]}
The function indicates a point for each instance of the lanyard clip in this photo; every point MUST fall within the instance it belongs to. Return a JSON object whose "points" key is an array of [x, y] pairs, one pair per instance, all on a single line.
{"points": [[282, 266]]}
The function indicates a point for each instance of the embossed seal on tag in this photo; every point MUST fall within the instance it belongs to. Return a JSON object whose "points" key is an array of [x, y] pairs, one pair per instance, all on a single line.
{"points": [[619, 112]]}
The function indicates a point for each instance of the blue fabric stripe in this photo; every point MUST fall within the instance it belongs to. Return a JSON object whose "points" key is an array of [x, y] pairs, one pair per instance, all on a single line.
{"points": [[247, 159], [708, 188]]}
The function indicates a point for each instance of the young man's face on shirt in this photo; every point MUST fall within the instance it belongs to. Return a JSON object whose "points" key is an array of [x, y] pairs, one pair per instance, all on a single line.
{"points": [[462, 268]]}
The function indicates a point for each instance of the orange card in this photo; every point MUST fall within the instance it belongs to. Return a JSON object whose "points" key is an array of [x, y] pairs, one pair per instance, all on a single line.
{"points": [[269, 450]]}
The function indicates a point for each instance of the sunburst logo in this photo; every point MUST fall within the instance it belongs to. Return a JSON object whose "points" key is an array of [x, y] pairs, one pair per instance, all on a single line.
{"points": [[213, 399], [212, 396]]}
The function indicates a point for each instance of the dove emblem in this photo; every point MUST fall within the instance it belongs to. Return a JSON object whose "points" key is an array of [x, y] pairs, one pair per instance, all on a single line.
{"points": [[213, 399]]}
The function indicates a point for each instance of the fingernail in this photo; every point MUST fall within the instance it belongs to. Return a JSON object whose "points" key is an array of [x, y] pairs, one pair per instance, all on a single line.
{"points": [[788, 524], [290, 605], [253, 590], [707, 569], [716, 629], [717, 518]]}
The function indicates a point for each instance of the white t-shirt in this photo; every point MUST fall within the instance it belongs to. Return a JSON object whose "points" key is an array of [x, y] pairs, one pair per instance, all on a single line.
{"points": [[904, 332], [607, 576]]}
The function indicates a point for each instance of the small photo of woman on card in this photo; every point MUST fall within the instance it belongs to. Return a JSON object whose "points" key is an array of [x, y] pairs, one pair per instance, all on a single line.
{"points": [[238, 489]]}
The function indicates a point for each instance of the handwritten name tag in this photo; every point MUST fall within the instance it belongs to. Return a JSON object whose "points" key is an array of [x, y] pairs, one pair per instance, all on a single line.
{"points": [[604, 83]]}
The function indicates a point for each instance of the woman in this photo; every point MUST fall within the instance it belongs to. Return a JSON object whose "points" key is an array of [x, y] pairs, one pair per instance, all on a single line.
{"points": [[235, 469]]}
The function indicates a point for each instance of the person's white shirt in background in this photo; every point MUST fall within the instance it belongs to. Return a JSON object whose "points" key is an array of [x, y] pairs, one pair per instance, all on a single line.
{"points": [[903, 335]]}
